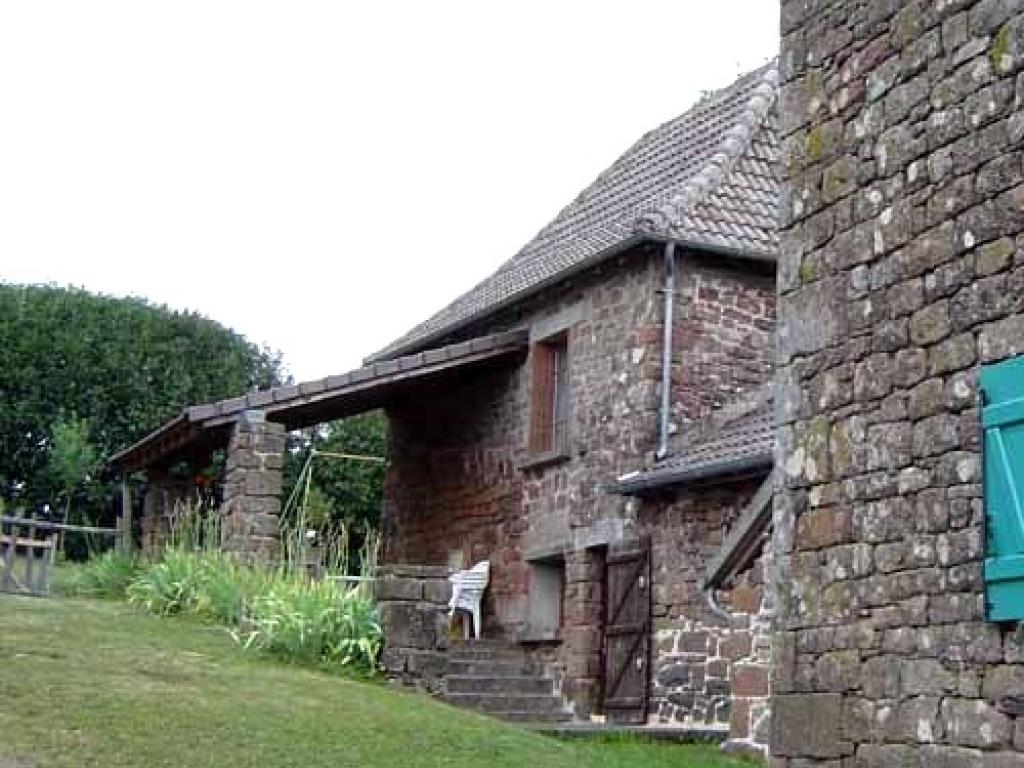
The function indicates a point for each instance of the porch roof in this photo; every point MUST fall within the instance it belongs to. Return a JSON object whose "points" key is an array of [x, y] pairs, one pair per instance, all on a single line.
{"points": [[313, 402]]}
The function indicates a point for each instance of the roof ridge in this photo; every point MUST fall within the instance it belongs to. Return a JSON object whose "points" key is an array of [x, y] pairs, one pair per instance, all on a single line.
{"points": [[736, 140]]}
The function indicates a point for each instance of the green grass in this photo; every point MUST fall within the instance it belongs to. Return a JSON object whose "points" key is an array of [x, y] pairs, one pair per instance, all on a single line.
{"points": [[98, 683]]}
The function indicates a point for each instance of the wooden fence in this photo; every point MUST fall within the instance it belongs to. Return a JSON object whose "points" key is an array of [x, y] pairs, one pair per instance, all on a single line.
{"points": [[34, 543]]}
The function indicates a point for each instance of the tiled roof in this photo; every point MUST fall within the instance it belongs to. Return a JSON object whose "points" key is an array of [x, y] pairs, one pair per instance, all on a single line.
{"points": [[738, 438], [706, 178]]}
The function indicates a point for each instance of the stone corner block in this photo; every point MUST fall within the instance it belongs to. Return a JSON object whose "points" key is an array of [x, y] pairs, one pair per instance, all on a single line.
{"points": [[807, 725]]}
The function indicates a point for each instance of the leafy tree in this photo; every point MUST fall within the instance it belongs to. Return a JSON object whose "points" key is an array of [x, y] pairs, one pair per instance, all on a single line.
{"points": [[74, 461], [344, 490], [123, 365]]}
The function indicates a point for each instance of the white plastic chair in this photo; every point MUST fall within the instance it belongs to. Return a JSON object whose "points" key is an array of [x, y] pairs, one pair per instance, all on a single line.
{"points": [[467, 592]]}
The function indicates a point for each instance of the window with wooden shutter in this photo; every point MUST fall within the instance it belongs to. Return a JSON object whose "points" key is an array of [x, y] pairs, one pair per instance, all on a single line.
{"points": [[1002, 388], [550, 397]]}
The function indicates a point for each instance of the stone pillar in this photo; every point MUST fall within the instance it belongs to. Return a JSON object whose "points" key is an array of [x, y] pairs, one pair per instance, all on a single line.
{"points": [[252, 487], [583, 619], [154, 520], [901, 271], [162, 493]]}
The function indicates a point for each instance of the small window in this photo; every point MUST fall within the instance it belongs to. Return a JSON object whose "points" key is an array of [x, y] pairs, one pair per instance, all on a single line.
{"points": [[546, 595], [550, 406]]}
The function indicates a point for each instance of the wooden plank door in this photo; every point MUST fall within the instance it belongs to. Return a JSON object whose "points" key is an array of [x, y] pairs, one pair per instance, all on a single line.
{"points": [[627, 634]]}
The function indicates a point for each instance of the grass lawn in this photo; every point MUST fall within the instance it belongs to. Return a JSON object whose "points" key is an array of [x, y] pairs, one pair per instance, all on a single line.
{"points": [[93, 683]]}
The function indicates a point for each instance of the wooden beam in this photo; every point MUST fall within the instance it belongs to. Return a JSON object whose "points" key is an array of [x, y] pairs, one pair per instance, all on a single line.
{"points": [[46, 525], [751, 523]]}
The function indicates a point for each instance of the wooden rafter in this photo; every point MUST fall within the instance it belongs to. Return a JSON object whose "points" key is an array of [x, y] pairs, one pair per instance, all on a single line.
{"points": [[744, 538]]}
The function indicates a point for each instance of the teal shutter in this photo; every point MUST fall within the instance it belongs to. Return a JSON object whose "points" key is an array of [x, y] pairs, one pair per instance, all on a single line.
{"points": [[1002, 386]]}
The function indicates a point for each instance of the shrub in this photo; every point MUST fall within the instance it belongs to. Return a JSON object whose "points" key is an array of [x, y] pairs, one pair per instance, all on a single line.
{"points": [[167, 587], [279, 612], [106, 575], [314, 622], [224, 587]]}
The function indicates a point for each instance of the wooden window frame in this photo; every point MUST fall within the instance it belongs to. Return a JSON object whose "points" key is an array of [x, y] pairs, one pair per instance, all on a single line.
{"points": [[550, 415]]}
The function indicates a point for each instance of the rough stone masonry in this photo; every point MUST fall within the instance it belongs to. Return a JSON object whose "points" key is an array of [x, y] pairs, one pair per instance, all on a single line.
{"points": [[902, 271]]}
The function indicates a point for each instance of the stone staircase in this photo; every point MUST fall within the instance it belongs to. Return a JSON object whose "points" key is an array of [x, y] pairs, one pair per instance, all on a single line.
{"points": [[501, 682]]}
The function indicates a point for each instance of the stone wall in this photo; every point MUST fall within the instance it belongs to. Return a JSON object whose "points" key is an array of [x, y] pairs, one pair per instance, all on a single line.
{"points": [[413, 605], [163, 491], [710, 667], [748, 650], [461, 486], [723, 333], [452, 490], [902, 270]]}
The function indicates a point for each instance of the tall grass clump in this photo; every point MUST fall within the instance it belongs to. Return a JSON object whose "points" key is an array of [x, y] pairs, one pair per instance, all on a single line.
{"points": [[314, 622], [106, 575], [169, 586], [211, 585], [193, 526], [279, 610]]}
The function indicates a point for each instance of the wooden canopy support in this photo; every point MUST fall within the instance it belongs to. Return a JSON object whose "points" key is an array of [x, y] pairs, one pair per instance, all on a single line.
{"points": [[743, 541]]}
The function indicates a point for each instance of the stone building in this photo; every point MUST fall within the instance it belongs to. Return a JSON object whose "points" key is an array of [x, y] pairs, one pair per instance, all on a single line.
{"points": [[594, 420], [901, 278], [591, 496]]}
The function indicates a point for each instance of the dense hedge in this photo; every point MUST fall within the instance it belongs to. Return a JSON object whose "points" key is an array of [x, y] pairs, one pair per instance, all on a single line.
{"points": [[107, 371]]}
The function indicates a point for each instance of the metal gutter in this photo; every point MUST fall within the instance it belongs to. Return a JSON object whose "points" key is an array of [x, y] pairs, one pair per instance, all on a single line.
{"points": [[642, 482]]}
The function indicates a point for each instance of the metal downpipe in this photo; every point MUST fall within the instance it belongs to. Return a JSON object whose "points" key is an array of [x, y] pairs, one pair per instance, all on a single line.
{"points": [[719, 611], [669, 291]]}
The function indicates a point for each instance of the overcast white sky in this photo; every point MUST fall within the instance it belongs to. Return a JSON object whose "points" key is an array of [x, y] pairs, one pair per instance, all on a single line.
{"points": [[321, 176]]}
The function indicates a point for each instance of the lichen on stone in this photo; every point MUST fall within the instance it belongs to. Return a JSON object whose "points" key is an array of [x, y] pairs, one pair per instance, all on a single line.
{"points": [[999, 52], [815, 144]]}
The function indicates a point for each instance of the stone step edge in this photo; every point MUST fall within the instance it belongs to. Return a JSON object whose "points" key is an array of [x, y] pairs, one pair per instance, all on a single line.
{"points": [[461, 678], [680, 734], [477, 695], [535, 720]]}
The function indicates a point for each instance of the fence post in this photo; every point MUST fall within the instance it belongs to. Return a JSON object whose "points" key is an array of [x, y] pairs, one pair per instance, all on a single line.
{"points": [[10, 552], [125, 521]]}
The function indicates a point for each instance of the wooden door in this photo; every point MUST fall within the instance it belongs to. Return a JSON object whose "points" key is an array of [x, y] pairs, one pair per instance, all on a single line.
{"points": [[627, 634]]}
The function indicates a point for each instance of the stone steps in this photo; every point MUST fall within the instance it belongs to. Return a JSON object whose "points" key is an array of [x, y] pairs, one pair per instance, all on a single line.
{"points": [[500, 681], [486, 653], [493, 703], [534, 718], [485, 668], [525, 684]]}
